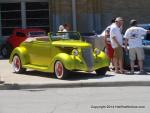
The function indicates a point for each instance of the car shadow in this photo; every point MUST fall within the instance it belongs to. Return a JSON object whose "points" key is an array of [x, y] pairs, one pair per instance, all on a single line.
{"points": [[84, 76], [37, 73], [73, 76]]}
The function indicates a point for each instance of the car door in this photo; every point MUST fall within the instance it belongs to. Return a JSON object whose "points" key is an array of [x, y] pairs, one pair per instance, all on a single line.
{"points": [[40, 53]]}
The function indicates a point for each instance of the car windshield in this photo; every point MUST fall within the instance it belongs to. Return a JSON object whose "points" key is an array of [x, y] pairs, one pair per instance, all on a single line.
{"points": [[36, 33], [65, 36]]}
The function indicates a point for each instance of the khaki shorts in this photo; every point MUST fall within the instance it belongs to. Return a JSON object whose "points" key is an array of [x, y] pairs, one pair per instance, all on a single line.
{"points": [[118, 52], [136, 51]]}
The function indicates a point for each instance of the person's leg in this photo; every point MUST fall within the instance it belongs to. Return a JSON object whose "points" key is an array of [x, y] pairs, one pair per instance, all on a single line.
{"points": [[132, 56], [115, 59], [120, 56], [116, 64], [141, 65], [112, 63], [111, 54], [132, 65], [140, 56], [121, 65]]}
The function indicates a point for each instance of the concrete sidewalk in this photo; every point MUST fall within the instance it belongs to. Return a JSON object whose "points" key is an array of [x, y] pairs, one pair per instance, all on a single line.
{"points": [[34, 79]]}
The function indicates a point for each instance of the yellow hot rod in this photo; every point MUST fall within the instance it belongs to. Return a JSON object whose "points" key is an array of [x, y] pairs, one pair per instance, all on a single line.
{"points": [[59, 53]]}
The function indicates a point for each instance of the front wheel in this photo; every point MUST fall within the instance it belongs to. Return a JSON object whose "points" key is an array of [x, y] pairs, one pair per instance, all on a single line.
{"points": [[102, 71], [16, 64], [60, 71]]}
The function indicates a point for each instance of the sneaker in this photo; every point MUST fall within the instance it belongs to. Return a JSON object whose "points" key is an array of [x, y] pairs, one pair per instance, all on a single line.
{"points": [[122, 72], [119, 72], [142, 73], [132, 72]]}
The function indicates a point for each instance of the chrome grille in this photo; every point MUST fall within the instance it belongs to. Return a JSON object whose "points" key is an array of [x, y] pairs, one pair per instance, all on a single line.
{"points": [[87, 55]]}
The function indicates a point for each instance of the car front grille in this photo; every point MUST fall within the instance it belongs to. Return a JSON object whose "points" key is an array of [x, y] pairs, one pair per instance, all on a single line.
{"points": [[87, 55]]}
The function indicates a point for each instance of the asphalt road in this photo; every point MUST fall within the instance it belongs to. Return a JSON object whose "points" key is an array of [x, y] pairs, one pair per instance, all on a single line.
{"points": [[76, 100]]}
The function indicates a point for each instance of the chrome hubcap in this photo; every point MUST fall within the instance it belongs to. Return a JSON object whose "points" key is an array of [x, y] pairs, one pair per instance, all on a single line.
{"points": [[59, 69], [16, 63]]}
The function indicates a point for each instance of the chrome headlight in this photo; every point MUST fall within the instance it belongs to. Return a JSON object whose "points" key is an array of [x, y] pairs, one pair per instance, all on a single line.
{"points": [[75, 52], [96, 51]]}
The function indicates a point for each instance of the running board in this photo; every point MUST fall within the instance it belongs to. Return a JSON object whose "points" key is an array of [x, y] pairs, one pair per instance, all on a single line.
{"points": [[36, 67]]}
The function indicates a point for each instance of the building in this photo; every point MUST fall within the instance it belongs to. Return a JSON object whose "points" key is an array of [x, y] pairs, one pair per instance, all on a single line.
{"points": [[82, 15]]}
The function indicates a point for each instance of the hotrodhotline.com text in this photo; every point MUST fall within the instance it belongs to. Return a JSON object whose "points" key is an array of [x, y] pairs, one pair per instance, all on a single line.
{"points": [[115, 106]]}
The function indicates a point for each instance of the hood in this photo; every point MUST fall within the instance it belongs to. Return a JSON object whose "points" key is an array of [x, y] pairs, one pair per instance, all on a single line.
{"points": [[71, 43]]}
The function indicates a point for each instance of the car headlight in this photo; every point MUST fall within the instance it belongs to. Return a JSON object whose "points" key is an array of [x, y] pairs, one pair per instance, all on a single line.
{"points": [[75, 52], [96, 51]]}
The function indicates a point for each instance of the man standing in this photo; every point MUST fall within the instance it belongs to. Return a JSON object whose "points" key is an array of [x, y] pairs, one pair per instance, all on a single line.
{"points": [[133, 37], [116, 42]]}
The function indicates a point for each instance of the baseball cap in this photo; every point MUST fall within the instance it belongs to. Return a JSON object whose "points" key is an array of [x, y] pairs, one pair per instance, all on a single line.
{"points": [[133, 22]]}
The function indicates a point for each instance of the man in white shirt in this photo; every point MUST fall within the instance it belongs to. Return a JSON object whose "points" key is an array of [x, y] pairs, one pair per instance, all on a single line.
{"points": [[133, 38], [116, 43]]}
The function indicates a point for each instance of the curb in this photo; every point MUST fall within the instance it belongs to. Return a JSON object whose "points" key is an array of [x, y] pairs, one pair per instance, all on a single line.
{"points": [[74, 85]]}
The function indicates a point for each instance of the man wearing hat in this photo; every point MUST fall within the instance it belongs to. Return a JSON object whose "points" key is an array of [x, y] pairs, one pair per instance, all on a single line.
{"points": [[133, 38]]}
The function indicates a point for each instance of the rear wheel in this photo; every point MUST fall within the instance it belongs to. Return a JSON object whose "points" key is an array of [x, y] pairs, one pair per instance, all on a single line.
{"points": [[16, 64], [60, 71], [102, 71]]}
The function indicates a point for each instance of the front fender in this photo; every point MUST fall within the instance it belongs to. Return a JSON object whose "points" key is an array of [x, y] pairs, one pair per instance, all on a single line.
{"points": [[22, 53], [103, 59], [66, 59]]}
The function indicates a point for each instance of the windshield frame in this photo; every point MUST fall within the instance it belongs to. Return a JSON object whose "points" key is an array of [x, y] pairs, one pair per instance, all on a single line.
{"points": [[31, 35], [55, 36]]}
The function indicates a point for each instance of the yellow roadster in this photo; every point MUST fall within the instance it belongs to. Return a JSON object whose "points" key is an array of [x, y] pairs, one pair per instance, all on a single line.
{"points": [[58, 53]]}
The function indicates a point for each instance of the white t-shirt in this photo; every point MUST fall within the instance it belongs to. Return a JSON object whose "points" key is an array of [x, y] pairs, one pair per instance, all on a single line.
{"points": [[134, 35], [115, 32]]}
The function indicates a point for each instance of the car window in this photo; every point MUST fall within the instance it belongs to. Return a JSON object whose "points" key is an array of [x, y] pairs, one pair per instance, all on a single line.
{"points": [[20, 34], [65, 36]]}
